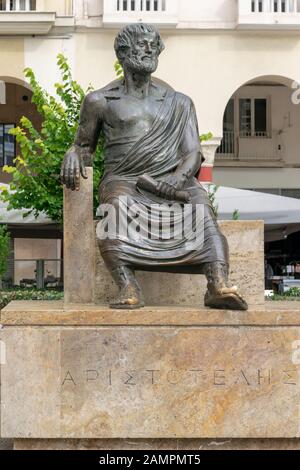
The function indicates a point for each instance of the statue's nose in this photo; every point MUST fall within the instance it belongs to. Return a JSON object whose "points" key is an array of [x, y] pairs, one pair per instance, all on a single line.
{"points": [[148, 49]]}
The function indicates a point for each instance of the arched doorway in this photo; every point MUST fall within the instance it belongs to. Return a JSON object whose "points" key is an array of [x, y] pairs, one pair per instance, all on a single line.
{"points": [[15, 102], [260, 123]]}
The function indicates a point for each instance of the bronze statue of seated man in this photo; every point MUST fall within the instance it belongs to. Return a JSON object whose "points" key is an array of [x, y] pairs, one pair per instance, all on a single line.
{"points": [[152, 157]]}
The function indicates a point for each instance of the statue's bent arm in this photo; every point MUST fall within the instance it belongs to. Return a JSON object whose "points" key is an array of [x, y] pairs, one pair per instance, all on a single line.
{"points": [[192, 158], [81, 152]]}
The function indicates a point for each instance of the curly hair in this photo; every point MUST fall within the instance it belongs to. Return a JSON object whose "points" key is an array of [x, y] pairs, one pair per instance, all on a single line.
{"points": [[128, 36]]}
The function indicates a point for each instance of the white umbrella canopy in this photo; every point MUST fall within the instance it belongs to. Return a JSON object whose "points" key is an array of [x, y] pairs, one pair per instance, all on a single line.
{"points": [[280, 214]]}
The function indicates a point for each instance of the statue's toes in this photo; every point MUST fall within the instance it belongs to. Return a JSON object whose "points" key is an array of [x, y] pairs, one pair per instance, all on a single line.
{"points": [[225, 301], [127, 303]]}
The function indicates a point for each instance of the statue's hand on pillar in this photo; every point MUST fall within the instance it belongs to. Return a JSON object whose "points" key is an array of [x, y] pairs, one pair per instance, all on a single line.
{"points": [[72, 168]]}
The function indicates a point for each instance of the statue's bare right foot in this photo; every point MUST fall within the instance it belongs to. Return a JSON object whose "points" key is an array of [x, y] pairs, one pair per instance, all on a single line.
{"points": [[130, 294], [225, 298], [219, 294]]}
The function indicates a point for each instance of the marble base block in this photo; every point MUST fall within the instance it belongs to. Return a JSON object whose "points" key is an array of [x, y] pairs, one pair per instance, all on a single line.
{"points": [[87, 372], [246, 246]]}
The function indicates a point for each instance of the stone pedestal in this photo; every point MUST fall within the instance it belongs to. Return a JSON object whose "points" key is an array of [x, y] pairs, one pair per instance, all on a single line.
{"points": [[86, 375]]}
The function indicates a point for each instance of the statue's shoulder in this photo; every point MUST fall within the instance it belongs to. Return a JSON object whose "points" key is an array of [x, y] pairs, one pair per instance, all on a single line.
{"points": [[98, 98], [184, 99]]}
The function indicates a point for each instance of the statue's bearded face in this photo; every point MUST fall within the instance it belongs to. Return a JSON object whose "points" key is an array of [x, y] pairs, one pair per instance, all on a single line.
{"points": [[143, 56]]}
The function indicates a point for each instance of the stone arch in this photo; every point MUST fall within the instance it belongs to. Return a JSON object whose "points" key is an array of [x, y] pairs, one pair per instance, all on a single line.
{"points": [[15, 81], [280, 79], [231, 136]]}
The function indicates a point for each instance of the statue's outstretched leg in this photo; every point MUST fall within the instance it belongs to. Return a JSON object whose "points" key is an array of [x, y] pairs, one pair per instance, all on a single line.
{"points": [[219, 294], [130, 295]]}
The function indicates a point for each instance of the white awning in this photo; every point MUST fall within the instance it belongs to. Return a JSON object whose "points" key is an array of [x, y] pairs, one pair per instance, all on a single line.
{"points": [[280, 214]]}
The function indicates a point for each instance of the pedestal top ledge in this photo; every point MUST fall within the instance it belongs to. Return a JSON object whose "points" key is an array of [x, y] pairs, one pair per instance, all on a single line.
{"points": [[55, 313]]}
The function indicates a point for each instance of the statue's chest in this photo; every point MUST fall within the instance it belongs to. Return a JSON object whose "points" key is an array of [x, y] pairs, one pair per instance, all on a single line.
{"points": [[134, 114]]}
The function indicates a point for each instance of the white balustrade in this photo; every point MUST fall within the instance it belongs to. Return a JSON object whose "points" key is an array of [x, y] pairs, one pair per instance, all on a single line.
{"points": [[280, 7], [17, 5], [152, 11]]}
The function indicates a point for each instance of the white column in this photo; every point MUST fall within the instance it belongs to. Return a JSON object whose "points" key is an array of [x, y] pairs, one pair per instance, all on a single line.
{"points": [[7, 5], [266, 6], [17, 5], [279, 6], [151, 5], [27, 5], [256, 7], [137, 5], [159, 5], [85, 9], [295, 6]]}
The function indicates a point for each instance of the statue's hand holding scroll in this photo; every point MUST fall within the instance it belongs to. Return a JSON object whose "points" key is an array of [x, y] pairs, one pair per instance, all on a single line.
{"points": [[169, 185], [162, 189], [72, 168]]}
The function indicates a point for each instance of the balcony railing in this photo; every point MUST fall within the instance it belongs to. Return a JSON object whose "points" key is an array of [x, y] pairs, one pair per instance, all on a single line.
{"points": [[260, 147], [269, 13], [23, 17], [17, 5], [161, 12]]}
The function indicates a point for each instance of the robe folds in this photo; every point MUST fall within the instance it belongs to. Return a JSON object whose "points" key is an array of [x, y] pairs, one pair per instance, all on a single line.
{"points": [[150, 233]]}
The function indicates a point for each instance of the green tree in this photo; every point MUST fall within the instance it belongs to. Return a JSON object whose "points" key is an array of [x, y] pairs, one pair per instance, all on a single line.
{"points": [[35, 177], [4, 249]]}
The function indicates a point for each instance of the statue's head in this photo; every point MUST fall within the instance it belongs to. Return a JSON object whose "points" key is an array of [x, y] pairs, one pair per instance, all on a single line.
{"points": [[138, 46]]}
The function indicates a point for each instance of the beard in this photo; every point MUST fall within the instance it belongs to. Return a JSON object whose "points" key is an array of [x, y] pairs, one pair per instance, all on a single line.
{"points": [[138, 65]]}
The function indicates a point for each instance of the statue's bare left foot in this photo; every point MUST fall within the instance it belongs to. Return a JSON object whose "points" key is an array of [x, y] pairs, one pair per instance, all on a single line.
{"points": [[219, 294], [225, 298], [130, 294]]}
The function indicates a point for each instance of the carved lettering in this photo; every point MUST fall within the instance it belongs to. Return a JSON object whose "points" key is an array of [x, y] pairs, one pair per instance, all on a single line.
{"points": [[91, 375], [219, 377], [130, 380], [243, 377], [68, 378], [288, 377], [261, 377], [173, 377], [152, 371]]}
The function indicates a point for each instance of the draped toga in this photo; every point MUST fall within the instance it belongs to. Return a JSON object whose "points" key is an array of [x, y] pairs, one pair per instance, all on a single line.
{"points": [[172, 137]]}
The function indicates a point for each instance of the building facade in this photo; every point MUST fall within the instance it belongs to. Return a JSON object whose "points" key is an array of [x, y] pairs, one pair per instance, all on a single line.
{"points": [[239, 60]]}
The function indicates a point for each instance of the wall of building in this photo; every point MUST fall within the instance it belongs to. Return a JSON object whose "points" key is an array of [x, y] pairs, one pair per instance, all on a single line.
{"points": [[61, 7], [210, 12], [264, 178], [209, 64], [209, 67], [12, 58]]}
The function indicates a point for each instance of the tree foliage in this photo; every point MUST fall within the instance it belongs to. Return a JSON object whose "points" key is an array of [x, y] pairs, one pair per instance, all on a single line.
{"points": [[35, 177], [4, 249]]}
